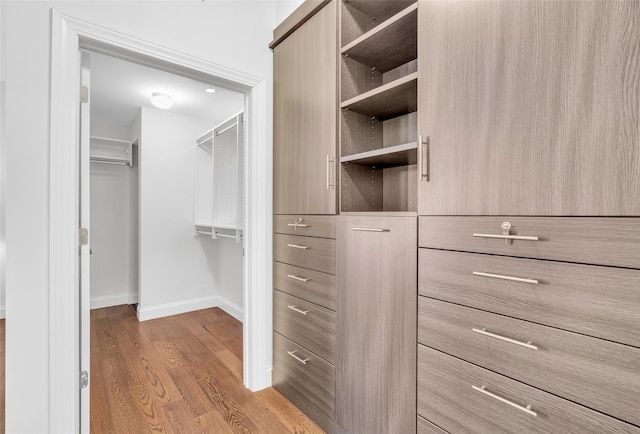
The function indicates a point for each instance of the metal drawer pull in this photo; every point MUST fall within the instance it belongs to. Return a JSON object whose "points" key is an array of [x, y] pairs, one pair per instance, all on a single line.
{"points": [[297, 225], [507, 237], [302, 279], [371, 229], [527, 409], [500, 276], [330, 180], [295, 246], [292, 354], [503, 338], [295, 307]]}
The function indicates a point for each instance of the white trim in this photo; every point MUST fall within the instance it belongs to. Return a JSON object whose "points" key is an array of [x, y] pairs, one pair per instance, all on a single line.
{"points": [[163, 310], [113, 300], [67, 36], [3, 312]]}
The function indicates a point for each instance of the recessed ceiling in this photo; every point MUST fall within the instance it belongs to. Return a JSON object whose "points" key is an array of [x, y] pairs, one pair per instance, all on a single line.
{"points": [[119, 88]]}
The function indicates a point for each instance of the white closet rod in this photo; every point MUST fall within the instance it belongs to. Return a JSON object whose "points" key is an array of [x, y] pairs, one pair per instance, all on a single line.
{"points": [[226, 129], [117, 163], [225, 236]]}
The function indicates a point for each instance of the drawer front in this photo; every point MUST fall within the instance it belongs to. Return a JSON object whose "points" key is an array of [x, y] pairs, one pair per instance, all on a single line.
{"points": [[447, 397], [305, 323], [306, 252], [598, 301], [309, 385], [597, 373], [601, 241], [306, 225], [313, 286], [426, 427]]}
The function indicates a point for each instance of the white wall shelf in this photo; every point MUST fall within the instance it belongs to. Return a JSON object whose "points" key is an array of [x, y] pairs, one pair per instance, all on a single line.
{"points": [[104, 150], [219, 190]]}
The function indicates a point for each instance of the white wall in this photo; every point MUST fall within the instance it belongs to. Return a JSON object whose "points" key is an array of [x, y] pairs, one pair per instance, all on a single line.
{"points": [[178, 271], [284, 9], [225, 32], [114, 210]]}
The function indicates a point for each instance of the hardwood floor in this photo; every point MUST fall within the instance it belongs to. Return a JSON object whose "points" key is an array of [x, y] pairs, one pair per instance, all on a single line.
{"points": [[180, 374]]}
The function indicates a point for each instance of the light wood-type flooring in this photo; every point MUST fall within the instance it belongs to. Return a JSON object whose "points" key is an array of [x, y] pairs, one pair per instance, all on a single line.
{"points": [[180, 374]]}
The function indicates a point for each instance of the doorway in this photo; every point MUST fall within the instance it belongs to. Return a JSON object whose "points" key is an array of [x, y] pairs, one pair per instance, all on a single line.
{"points": [[69, 36]]}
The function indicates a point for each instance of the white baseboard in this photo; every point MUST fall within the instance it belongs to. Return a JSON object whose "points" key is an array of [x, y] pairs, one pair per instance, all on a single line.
{"points": [[160, 311], [113, 300], [3, 312]]}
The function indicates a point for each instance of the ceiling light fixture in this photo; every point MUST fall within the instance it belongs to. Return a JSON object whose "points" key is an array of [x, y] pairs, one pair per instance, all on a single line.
{"points": [[161, 100], [210, 90]]}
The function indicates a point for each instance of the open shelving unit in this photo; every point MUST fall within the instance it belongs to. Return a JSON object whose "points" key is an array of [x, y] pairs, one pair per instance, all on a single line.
{"points": [[104, 150], [378, 94], [219, 190]]}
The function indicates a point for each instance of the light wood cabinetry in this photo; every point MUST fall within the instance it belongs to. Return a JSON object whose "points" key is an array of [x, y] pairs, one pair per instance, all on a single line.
{"points": [[532, 108], [305, 119], [378, 94], [529, 298], [376, 332]]}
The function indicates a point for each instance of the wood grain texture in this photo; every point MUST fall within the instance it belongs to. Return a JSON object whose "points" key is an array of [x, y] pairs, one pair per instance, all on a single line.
{"points": [[310, 386], [399, 188], [305, 116], [315, 330], [375, 383], [380, 9], [445, 397], [360, 188], [599, 241], [388, 45], [316, 226], [319, 288], [426, 427], [599, 374], [319, 255], [297, 18], [179, 374], [533, 108], [387, 101], [603, 302]]}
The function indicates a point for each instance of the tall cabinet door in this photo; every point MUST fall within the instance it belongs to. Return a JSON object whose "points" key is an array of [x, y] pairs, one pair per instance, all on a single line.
{"points": [[305, 112], [376, 332], [530, 108]]}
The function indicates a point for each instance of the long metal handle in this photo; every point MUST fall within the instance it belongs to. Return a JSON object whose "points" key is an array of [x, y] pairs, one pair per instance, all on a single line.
{"points": [[503, 338], [295, 246], [302, 279], [506, 237], [371, 229], [297, 225], [527, 409], [503, 277], [295, 307], [292, 354], [330, 160], [423, 167]]}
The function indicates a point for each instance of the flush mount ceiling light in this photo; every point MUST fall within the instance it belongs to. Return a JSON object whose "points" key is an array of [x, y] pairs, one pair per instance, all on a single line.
{"points": [[161, 100], [210, 90]]}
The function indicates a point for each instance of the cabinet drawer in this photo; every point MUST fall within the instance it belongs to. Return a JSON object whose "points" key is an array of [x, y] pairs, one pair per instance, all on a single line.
{"points": [[308, 225], [602, 241], [307, 252], [598, 301], [310, 385], [448, 397], [597, 373], [426, 427], [305, 323], [314, 286]]}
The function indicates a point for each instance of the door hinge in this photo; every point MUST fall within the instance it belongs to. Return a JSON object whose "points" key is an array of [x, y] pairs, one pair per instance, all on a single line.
{"points": [[84, 379], [84, 94], [83, 236]]}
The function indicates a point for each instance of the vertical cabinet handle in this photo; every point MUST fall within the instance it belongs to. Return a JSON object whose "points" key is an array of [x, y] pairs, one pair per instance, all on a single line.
{"points": [[423, 167], [330, 179]]}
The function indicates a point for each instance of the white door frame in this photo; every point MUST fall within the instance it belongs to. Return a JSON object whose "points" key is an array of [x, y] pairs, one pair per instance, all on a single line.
{"points": [[68, 35]]}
